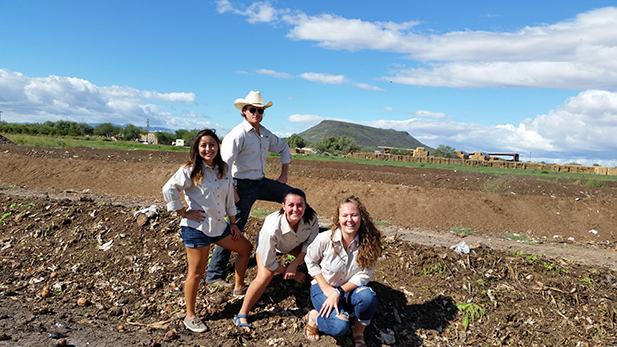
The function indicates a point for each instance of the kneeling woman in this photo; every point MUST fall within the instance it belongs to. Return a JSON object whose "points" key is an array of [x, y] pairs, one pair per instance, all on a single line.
{"points": [[341, 262], [289, 230], [209, 194]]}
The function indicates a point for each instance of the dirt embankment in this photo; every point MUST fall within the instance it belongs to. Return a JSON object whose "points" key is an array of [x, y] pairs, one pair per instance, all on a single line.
{"points": [[70, 228]]}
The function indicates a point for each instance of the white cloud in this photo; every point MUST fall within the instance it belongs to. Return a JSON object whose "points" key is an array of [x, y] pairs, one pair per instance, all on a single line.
{"points": [[582, 127], [307, 119], [323, 78], [558, 75], [319, 78], [257, 12], [53, 98], [577, 53], [367, 87], [273, 73], [429, 114]]}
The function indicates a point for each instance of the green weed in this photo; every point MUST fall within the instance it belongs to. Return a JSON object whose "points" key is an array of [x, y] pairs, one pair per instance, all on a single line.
{"points": [[261, 212], [466, 231], [497, 185], [438, 268], [587, 281], [519, 238], [532, 258], [470, 311], [5, 216], [383, 222], [593, 182]]}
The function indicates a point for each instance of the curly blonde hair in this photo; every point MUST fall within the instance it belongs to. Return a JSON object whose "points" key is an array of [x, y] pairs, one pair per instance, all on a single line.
{"points": [[369, 249]]}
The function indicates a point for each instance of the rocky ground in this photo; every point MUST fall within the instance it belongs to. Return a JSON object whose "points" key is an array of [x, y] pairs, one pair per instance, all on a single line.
{"points": [[77, 264]]}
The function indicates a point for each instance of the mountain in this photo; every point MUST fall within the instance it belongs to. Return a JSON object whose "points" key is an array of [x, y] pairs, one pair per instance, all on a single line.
{"points": [[364, 136]]}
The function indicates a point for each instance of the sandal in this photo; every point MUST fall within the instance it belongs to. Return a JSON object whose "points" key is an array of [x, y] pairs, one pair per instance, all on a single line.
{"points": [[240, 324], [311, 332], [359, 341]]}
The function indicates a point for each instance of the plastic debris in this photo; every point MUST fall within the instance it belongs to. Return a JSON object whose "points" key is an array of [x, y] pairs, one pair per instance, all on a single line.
{"points": [[106, 246], [150, 211], [461, 248], [593, 231]]}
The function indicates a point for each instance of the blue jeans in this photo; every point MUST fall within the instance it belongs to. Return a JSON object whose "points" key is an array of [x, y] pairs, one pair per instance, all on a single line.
{"points": [[362, 300], [249, 191]]}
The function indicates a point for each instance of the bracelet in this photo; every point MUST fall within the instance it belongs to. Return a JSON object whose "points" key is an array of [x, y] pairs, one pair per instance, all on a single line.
{"points": [[341, 292], [232, 223]]}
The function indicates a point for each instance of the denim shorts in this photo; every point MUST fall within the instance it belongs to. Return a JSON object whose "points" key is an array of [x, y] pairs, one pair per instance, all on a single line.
{"points": [[194, 238]]}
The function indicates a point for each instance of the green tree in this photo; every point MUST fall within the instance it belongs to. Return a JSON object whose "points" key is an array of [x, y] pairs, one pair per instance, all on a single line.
{"points": [[340, 145], [107, 130], [131, 132], [165, 138], [295, 141], [444, 152]]}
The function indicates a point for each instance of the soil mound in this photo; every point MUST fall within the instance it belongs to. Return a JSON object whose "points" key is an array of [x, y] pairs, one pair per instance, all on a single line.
{"points": [[85, 270], [5, 141]]}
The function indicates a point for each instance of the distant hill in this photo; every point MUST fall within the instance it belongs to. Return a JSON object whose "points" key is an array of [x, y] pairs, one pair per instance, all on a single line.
{"points": [[363, 135]]}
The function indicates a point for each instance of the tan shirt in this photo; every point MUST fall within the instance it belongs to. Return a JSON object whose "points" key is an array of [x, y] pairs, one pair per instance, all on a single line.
{"points": [[246, 152], [336, 268], [212, 195], [276, 235]]}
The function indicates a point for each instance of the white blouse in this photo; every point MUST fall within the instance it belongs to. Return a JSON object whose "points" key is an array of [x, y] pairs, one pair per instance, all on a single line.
{"points": [[212, 195], [338, 267]]}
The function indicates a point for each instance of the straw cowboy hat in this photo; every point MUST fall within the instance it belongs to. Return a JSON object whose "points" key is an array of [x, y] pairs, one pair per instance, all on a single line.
{"points": [[253, 99]]}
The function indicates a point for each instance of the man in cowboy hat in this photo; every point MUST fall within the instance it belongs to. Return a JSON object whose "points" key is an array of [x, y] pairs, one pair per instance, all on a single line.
{"points": [[245, 150]]}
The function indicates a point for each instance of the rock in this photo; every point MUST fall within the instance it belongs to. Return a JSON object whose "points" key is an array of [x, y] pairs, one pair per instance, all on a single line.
{"points": [[53, 275], [45, 292], [170, 335], [387, 337], [82, 302], [4, 337], [121, 328], [142, 219], [62, 342]]}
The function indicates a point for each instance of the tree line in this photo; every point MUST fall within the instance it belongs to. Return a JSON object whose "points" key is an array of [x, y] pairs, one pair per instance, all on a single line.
{"points": [[128, 132], [333, 145]]}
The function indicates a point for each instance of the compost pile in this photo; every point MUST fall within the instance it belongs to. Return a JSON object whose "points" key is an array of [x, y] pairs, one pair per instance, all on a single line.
{"points": [[96, 273]]}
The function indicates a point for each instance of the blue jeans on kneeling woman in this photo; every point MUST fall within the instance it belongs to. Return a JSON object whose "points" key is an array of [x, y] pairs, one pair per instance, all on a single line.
{"points": [[361, 300]]}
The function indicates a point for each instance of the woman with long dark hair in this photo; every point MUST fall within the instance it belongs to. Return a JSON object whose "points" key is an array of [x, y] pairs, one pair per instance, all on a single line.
{"points": [[289, 230], [209, 194]]}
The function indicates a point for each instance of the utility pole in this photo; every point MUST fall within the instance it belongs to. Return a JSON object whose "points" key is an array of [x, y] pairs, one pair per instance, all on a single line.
{"points": [[0, 115], [148, 125]]}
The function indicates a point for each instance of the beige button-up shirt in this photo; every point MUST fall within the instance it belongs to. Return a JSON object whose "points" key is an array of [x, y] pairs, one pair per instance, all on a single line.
{"points": [[245, 152], [336, 268], [212, 195], [276, 235]]}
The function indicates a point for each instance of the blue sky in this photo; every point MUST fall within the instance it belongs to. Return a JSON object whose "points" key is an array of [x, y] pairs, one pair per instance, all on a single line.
{"points": [[538, 78]]}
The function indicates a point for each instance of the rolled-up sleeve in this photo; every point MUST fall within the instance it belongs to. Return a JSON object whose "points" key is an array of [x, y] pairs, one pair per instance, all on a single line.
{"points": [[362, 277], [279, 146], [266, 244], [171, 190]]}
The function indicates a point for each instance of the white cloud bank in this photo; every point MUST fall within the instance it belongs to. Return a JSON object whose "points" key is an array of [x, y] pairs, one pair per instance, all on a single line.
{"points": [[581, 130], [318, 77], [573, 54], [53, 98]]}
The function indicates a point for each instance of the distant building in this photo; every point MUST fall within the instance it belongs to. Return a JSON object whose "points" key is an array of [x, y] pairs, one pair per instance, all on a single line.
{"points": [[149, 138]]}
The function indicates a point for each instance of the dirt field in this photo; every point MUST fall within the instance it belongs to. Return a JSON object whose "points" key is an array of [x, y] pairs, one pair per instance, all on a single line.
{"points": [[66, 205]]}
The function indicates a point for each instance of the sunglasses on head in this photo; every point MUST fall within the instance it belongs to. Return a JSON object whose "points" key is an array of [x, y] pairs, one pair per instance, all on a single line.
{"points": [[253, 110]]}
